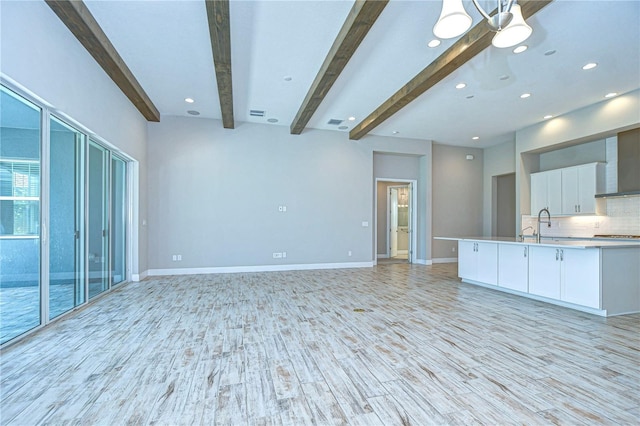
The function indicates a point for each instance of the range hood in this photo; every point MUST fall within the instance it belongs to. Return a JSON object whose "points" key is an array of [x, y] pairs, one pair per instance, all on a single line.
{"points": [[628, 165]]}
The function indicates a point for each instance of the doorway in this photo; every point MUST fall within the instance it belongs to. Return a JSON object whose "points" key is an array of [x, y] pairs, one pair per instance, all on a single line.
{"points": [[395, 221], [504, 205]]}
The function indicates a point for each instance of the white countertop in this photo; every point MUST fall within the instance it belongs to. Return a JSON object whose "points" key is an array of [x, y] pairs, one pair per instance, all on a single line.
{"points": [[549, 242]]}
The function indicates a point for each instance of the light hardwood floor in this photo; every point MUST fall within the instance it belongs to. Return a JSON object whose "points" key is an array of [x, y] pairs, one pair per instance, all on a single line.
{"points": [[395, 345]]}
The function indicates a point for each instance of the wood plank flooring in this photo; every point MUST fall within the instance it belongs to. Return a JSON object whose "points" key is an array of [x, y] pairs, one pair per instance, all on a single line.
{"points": [[395, 344]]}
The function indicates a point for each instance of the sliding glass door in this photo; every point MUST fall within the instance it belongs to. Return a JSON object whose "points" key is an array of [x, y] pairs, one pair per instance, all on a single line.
{"points": [[20, 135], [66, 218], [98, 223]]}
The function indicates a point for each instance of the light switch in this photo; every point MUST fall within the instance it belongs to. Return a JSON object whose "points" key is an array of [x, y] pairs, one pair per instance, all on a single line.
{"points": [[365, 224]]}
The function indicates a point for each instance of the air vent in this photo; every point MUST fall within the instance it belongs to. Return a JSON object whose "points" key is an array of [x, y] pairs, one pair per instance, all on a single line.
{"points": [[256, 113], [334, 122]]}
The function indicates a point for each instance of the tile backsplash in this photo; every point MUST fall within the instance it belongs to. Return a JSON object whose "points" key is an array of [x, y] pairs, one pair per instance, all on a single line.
{"points": [[622, 218]]}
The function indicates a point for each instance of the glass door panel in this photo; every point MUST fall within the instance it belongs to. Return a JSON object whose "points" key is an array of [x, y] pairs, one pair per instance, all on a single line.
{"points": [[118, 220], [19, 215], [98, 235], [66, 218]]}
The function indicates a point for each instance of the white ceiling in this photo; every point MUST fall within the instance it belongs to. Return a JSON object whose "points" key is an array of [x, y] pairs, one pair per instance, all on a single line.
{"points": [[166, 45]]}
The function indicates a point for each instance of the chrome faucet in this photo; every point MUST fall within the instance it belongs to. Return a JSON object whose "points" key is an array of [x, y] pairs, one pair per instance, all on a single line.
{"points": [[548, 222], [522, 235]]}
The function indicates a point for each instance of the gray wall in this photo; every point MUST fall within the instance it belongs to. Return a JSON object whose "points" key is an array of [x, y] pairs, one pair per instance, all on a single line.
{"points": [[214, 195], [457, 196], [584, 153]]}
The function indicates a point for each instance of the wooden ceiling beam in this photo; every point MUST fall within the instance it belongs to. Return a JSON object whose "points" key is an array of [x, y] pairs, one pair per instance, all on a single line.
{"points": [[76, 16], [361, 18], [466, 47], [220, 34]]}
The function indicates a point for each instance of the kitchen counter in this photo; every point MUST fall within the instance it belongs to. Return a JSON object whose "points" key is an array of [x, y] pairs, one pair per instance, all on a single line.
{"points": [[553, 241], [596, 276]]}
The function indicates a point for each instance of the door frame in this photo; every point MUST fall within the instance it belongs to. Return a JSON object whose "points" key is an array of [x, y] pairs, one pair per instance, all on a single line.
{"points": [[413, 213]]}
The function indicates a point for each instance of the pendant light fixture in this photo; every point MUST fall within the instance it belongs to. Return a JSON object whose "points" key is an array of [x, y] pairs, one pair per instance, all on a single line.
{"points": [[508, 22]]}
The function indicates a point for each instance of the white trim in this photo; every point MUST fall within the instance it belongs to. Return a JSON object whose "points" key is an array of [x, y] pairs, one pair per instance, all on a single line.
{"points": [[445, 260], [139, 277], [423, 262], [257, 268], [382, 256]]}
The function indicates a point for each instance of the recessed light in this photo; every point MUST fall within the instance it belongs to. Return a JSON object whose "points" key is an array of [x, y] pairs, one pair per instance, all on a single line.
{"points": [[589, 66], [192, 112], [549, 52], [288, 78], [189, 100], [461, 85], [272, 120], [351, 119], [610, 95], [548, 116], [343, 127], [434, 43], [470, 96], [475, 138], [520, 48], [525, 95]]}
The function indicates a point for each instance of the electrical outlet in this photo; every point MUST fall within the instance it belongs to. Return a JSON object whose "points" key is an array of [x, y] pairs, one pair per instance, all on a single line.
{"points": [[277, 255], [350, 253], [280, 208], [175, 257], [284, 254], [179, 258], [453, 249], [284, 208]]}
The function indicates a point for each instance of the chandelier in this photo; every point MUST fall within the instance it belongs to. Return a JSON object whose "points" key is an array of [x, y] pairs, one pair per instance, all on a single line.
{"points": [[508, 22]]}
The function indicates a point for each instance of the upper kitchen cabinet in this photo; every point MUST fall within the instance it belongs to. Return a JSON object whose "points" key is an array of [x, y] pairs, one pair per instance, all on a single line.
{"points": [[546, 192], [580, 184], [568, 191]]}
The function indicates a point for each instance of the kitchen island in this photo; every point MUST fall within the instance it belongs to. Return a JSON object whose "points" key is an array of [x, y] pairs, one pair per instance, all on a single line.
{"points": [[595, 276]]}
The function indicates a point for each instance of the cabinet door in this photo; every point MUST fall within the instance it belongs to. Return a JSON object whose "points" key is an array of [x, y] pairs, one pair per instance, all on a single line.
{"points": [[554, 191], [587, 179], [538, 192], [487, 266], [544, 271], [513, 267], [467, 260], [581, 276], [570, 191]]}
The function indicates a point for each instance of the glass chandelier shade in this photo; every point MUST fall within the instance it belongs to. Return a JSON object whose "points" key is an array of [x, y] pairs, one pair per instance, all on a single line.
{"points": [[453, 21]]}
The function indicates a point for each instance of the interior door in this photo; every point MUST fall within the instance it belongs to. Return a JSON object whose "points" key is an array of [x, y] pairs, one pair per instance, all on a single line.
{"points": [[393, 222]]}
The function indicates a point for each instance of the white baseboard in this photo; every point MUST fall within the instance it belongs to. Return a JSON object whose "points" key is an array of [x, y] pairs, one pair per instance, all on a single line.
{"points": [[445, 260], [139, 277], [423, 262], [382, 256], [257, 268]]}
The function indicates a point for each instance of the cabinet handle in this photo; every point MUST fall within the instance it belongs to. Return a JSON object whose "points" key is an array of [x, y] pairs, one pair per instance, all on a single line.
{"points": [[579, 209], [561, 255], [525, 251], [557, 253]]}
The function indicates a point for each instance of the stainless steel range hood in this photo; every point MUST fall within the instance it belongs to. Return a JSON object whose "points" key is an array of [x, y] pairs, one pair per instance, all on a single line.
{"points": [[628, 165]]}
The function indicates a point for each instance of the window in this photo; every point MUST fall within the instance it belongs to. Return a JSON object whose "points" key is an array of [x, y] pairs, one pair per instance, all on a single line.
{"points": [[19, 197]]}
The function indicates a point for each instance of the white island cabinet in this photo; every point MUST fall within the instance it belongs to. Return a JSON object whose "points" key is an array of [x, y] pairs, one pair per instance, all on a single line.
{"points": [[570, 275], [599, 277], [513, 267], [478, 261]]}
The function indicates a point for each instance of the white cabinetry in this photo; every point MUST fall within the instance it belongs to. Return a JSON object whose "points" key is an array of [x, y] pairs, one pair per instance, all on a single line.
{"points": [[478, 261], [570, 275], [513, 267], [567, 191], [546, 192], [580, 184]]}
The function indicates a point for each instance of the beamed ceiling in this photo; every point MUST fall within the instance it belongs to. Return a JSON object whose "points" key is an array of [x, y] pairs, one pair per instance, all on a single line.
{"points": [[311, 63]]}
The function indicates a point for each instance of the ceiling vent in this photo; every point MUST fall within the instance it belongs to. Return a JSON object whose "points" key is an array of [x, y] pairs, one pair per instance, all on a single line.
{"points": [[334, 122], [256, 113]]}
